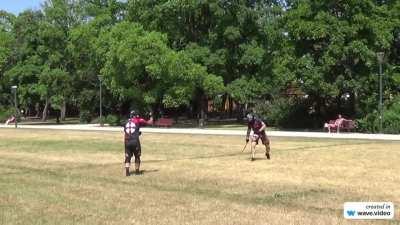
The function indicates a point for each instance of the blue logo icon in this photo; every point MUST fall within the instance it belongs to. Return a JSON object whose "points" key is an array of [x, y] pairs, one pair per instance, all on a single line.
{"points": [[351, 212]]}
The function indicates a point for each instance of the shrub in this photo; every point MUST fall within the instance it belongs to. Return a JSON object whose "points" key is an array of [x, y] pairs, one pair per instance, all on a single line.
{"points": [[113, 120], [5, 113], [286, 113], [390, 120], [85, 116], [368, 124]]}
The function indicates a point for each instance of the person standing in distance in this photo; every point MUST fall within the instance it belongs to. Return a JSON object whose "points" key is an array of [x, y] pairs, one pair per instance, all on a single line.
{"points": [[258, 126], [132, 141]]}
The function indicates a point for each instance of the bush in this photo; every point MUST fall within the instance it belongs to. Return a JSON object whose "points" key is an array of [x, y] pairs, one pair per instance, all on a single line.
{"points": [[6, 113], [113, 120], [368, 124], [85, 116], [286, 113], [390, 120]]}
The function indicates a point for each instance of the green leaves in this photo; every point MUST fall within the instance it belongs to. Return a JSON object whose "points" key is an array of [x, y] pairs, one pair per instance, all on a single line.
{"points": [[246, 90], [253, 54], [141, 62], [173, 53]]}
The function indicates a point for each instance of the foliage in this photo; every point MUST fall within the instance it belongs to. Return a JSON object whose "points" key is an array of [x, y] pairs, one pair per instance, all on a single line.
{"points": [[113, 120], [335, 49], [176, 55], [246, 90], [141, 68], [286, 113], [5, 113], [85, 116], [390, 119]]}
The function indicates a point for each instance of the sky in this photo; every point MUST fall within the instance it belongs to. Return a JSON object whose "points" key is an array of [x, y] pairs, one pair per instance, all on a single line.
{"points": [[17, 6]]}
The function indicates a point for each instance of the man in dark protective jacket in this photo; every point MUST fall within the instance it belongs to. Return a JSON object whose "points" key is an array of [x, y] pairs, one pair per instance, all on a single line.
{"points": [[132, 142], [258, 127]]}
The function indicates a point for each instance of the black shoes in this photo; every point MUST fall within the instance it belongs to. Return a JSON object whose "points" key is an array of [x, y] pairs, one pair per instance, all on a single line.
{"points": [[267, 154], [137, 172]]}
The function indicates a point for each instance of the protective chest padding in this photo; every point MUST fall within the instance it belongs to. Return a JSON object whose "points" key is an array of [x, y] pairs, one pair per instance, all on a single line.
{"points": [[256, 124], [131, 129]]}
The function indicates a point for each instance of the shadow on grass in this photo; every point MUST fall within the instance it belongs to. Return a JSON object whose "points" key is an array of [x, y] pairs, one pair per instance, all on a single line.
{"points": [[149, 171]]}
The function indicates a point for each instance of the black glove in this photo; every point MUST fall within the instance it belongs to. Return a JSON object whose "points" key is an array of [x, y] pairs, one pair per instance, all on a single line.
{"points": [[140, 133], [247, 140]]}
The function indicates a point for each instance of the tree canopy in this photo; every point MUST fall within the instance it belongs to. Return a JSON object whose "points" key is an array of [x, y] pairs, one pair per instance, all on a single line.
{"points": [[317, 57]]}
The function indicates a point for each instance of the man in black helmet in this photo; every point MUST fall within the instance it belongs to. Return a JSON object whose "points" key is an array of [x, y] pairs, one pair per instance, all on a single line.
{"points": [[132, 142], [258, 126]]}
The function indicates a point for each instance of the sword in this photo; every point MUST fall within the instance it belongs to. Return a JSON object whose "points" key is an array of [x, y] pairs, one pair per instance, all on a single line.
{"points": [[245, 146]]}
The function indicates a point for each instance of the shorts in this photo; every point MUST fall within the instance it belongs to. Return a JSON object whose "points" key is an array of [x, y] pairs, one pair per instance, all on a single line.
{"points": [[262, 136], [132, 147]]}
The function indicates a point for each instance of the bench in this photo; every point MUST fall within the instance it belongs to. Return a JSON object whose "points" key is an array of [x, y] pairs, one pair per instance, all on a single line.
{"points": [[164, 122], [346, 125]]}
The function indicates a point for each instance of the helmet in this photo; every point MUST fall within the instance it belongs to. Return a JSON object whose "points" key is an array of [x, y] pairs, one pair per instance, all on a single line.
{"points": [[250, 116], [133, 114]]}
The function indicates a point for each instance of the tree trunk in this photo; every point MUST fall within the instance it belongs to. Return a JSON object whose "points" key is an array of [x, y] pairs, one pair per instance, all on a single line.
{"points": [[58, 116], [46, 108], [356, 111], [203, 110], [230, 107], [37, 109], [63, 110]]}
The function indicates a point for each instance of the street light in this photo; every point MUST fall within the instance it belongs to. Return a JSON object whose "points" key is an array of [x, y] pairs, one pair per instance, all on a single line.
{"points": [[14, 91], [380, 56], [101, 104]]}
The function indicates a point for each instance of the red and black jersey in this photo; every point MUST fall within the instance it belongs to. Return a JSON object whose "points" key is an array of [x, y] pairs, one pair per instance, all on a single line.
{"points": [[255, 125], [132, 127], [139, 121]]}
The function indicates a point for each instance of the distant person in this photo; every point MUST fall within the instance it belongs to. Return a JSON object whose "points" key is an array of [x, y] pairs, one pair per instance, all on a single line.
{"points": [[336, 125], [132, 141], [258, 127], [10, 120]]}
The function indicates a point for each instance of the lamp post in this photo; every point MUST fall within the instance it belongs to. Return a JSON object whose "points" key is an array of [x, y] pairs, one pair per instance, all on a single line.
{"points": [[101, 103], [380, 56], [14, 91]]}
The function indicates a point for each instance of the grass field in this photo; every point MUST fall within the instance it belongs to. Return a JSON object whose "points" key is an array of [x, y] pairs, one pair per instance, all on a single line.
{"points": [[70, 177]]}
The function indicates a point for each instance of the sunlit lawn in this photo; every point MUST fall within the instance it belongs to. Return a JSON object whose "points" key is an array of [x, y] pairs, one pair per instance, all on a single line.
{"points": [[70, 177]]}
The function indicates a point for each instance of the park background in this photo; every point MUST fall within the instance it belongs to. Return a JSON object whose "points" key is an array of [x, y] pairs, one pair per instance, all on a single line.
{"points": [[296, 63]]}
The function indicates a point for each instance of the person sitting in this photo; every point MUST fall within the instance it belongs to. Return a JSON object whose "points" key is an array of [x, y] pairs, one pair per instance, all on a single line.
{"points": [[10, 120], [336, 125]]}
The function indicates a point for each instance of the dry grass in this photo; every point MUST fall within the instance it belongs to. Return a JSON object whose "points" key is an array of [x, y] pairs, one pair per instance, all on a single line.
{"points": [[70, 177]]}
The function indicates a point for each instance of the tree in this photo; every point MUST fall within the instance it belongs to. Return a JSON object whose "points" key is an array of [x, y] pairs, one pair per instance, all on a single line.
{"points": [[26, 61], [223, 36], [6, 46], [334, 51], [60, 17], [141, 68]]}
